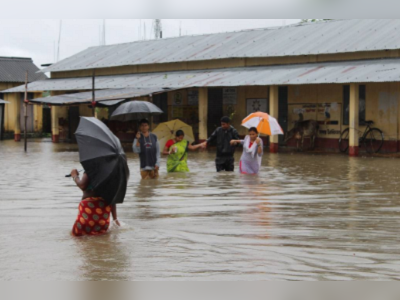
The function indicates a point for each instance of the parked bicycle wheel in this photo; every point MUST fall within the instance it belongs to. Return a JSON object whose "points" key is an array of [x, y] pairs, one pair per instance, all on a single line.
{"points": [[373, 140], [344, 140]]}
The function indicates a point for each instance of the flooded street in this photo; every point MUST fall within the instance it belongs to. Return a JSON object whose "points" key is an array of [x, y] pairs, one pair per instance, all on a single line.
{"points": [[305, 217]]}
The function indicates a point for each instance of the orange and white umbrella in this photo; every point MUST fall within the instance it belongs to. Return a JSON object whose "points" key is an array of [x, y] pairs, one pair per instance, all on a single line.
{"points": [[263, 122]]}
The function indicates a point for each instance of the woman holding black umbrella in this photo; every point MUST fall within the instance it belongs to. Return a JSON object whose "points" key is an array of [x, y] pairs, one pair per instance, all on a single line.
{"points": [[104, 182], [94, 213]]}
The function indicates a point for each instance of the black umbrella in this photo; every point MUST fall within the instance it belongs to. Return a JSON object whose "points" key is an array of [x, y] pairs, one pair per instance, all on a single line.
{"points": [[135, 110], [104, 160]]}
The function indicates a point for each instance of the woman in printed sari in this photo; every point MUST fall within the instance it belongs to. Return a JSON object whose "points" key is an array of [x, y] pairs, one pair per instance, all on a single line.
{"points": [[94, 214], [177, 149], [250, 162]]}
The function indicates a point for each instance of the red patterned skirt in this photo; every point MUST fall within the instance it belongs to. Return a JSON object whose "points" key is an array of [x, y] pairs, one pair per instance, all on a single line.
{"points": [[93, 217]]}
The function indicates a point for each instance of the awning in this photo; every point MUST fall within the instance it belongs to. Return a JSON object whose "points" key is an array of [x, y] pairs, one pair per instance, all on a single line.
{"points": [[103, 97], [382, 70], [3, 101]]}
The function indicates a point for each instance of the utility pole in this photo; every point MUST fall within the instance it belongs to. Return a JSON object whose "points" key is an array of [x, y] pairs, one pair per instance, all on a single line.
{"points": [[26, 111], [104, 32], [140, 30], [59, 41], [157, 29], [93, 95]]}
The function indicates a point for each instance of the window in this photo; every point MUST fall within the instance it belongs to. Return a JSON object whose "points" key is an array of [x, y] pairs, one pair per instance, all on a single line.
{"points": [[346, 104]]}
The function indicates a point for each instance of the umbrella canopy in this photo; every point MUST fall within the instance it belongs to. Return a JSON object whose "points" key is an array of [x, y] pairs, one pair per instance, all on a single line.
{"points": [[3, 101], [264, 123], [135, 110], [104, 160], [166, 131]]}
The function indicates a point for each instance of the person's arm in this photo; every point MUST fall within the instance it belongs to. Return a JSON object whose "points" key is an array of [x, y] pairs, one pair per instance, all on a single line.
{"points": [[165, 151], [114, 214], [81, 183], [167, 147], [259, 146], [194, 147], [136, 143], [235, 142], [212, 137], [158, 156]]}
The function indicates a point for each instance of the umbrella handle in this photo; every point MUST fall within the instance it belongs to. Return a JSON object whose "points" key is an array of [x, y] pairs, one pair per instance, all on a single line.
{"points": [[69, 175]]}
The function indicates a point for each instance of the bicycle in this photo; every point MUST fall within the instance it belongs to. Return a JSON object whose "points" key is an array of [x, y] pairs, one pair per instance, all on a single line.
{"points": [[372, 139]]}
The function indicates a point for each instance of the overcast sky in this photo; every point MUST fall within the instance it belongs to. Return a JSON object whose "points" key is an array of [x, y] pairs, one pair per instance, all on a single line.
{"points": [[38, 39]]}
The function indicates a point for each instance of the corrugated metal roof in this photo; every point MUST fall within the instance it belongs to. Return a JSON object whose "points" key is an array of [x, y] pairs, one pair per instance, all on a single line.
{"points": [[384, 70], [111, 102], [13, 69], [102, 96], [338, 36]]}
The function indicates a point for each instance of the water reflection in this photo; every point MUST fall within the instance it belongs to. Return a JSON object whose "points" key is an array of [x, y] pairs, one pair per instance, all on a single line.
{"points": [[305, 217], [102, 257]]}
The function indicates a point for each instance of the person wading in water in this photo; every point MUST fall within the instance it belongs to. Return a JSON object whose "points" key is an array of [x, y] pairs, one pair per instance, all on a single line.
{"points": [[177, 150], [223, 136], [94, 214], [250, 162], [147, 146]]}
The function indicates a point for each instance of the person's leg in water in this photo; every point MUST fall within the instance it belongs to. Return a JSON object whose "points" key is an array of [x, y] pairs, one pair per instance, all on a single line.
{"points": [[154, 174], [220, 167], [230, 164], [225, 164], [145, 174], [219, 164]]}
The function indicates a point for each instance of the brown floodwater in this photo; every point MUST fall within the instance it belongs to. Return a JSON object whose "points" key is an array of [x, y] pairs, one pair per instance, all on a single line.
{"points": [[305, 217]]}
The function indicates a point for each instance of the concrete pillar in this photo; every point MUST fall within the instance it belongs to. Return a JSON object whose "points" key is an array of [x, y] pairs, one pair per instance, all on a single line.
{"points": [[203, 113], [55, 130], [354, 119], [273, 111], [17, 120]]}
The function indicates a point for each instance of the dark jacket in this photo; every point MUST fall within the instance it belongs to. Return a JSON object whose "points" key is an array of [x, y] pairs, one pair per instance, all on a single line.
{"points": [[223, 139]]}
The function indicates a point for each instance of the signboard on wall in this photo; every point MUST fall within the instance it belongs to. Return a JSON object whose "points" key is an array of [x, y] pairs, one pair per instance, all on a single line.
{"points": [[193, 97], [254, 105], [229, 96], [178, 99], [327, 115]]}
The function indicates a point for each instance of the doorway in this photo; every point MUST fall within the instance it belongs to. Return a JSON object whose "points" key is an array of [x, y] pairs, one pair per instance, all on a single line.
{"points": [[46, 119], [161, 101], [215, 109], [283, 111]]}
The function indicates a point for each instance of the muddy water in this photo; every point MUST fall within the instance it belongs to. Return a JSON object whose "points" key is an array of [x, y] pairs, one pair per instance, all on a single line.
{"points": [[305, 217]]}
